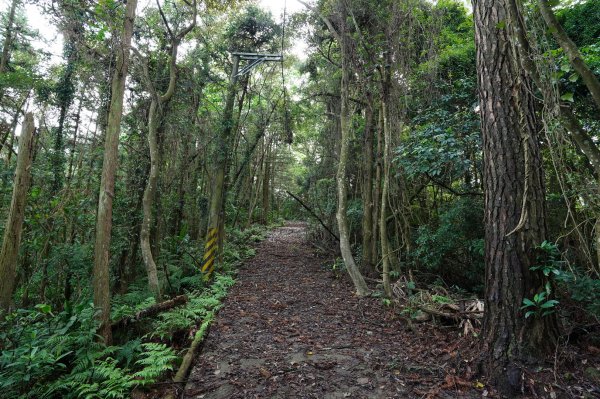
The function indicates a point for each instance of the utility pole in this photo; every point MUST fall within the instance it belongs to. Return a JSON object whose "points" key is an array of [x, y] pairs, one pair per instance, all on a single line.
{"points": [[214, 235]]}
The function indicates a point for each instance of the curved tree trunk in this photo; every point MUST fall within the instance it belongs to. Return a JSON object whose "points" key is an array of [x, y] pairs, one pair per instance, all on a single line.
{"points": [[514, 201], [148, 200], [14, 223], [155, 116]]}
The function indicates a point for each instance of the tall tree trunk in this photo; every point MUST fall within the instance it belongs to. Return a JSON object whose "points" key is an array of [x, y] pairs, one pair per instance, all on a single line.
{"points": [[377, 189], [70, 170], [155, 116], [148, 200], [266, 185], [514, 201], [8, 38], [194, 209], [223, 143], [14, 223], [367, 265], [385, 244], [65, 98], [107, 182], [341, 178]]}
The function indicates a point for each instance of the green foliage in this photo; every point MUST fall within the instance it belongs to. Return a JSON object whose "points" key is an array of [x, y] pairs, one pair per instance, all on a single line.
{"points": [[580, 21], [580, 287], [47, 355], [445, 142], [540, 305], [56, 356], [199, 306], [253, 30], [453, 247], [338, 267]]}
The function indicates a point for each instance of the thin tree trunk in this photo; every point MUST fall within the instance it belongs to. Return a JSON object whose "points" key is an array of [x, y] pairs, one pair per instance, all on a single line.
{"points": [[65, 98], [367, 194], [14, 223], [266, 185], [342, 181], [571, 50], [74, 143], [8, 38], [107, 182], [148, 201], [377, 189], [155, 116], [383, 234]]}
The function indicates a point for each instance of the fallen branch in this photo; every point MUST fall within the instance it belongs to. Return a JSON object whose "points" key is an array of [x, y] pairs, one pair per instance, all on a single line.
{"points": [[314, 215], [151, 311], [458, 315], [186, 363]]}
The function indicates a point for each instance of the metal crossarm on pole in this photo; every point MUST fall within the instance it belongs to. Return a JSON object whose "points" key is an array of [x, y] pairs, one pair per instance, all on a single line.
{"points": [[256, 59], [211, 247]]}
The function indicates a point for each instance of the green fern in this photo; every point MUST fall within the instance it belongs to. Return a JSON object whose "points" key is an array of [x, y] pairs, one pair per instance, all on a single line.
{"points": [[156, 360]]}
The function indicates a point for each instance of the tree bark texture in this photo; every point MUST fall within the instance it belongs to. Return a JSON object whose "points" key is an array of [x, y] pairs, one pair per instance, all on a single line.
{"points": [[16, 214], [107, 182], [385, 245], [367, 194], [377, 189], [514, 201]]}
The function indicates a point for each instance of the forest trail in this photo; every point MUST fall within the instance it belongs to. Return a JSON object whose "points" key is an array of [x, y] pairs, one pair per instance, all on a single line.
{"points": [[290, 329]]}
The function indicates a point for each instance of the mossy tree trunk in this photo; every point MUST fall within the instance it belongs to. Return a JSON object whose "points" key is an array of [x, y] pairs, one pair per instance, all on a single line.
{"points": [[341, 178], [16, 214], [107, 182]]}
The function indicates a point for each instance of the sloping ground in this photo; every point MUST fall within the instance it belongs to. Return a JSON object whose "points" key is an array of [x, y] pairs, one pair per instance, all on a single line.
{"points": [[290, 329]]}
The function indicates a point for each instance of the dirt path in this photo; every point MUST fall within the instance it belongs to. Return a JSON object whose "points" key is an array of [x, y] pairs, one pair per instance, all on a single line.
{"points": [[290, 329]]}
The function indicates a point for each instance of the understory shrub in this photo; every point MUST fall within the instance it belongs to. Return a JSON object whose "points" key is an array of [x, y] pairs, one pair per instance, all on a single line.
{"points": [[452, 247], [47, 355]]}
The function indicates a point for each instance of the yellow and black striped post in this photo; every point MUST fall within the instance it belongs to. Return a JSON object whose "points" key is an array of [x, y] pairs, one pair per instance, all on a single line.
{"points": [[210, 252]]}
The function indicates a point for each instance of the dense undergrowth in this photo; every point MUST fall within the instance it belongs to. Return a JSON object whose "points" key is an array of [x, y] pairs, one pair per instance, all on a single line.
{"points": [[57, 354]]}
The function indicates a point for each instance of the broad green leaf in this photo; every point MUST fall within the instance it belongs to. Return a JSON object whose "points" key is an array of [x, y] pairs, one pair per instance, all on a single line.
{"points": [[567, 97], [528, 302], [529, 313]]}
